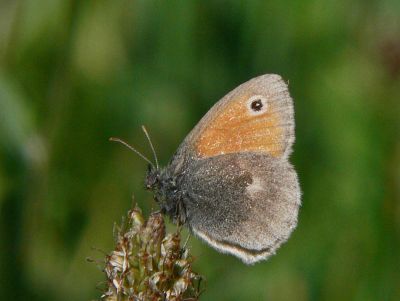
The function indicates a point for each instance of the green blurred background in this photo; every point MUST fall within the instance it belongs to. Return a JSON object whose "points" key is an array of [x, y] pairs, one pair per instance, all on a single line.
{"points": [[74, 73]]}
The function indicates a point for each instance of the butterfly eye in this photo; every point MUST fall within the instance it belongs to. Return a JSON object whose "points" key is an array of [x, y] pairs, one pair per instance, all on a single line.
{"points": [[257, 104]]}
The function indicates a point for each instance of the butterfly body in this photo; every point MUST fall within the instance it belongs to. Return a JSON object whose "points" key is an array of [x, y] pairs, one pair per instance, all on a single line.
{"points": [[230, 180]]}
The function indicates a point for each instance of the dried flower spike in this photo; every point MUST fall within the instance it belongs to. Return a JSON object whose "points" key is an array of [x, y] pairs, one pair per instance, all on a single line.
{"points": [[148, 264]]}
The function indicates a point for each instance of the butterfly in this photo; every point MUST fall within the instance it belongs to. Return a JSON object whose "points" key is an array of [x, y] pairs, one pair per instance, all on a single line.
{"points": [[230, 181]]}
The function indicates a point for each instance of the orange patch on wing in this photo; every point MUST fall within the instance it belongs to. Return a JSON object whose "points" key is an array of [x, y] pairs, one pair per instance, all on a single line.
{"points": [[236, 130]]}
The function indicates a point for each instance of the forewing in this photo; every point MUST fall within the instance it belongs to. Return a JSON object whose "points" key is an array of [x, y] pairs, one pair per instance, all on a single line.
{"points": [[235, 125]]}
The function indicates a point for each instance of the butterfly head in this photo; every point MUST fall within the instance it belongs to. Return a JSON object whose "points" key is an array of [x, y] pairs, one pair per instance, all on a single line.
{"points": [[166, 192], [152, 181]]}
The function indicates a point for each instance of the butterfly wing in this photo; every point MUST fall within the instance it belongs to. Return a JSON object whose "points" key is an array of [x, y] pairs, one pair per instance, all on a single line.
{"points": [[257, 116], [241, 193], [245, 204]]}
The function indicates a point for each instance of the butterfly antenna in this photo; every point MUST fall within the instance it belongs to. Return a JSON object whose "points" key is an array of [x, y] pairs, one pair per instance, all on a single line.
{"points": [[132, 149], [151, 145]]}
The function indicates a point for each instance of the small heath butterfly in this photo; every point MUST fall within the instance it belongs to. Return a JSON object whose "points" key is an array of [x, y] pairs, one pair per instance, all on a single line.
{"points": [[230, 180]]}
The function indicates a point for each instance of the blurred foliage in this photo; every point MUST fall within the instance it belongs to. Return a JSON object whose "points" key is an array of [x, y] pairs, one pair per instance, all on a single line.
{"points": [[74, 73]]}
